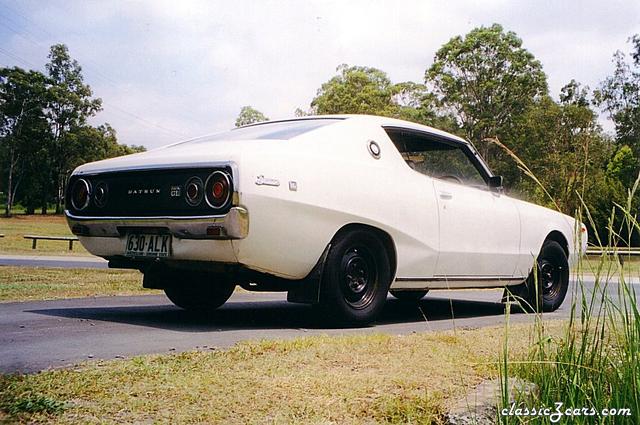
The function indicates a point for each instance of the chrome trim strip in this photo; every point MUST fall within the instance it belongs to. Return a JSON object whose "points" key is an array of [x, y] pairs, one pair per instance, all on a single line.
{"points": [[233, 225], [455, 282], [150, 218], [458, 278]]}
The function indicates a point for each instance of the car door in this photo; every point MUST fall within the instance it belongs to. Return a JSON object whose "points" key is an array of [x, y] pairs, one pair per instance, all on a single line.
{"points": [[479, 232], [479, 228]]}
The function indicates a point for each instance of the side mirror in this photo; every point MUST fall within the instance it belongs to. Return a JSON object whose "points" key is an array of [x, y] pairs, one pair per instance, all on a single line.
{"points": [[495, 183]]}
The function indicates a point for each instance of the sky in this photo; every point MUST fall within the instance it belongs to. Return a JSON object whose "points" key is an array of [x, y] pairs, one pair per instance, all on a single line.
{"points": [[173, 70]]}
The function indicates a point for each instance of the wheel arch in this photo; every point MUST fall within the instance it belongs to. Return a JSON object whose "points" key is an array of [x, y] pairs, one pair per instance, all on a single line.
{"points": [[557, 236], [309, 293], [383, 236]]}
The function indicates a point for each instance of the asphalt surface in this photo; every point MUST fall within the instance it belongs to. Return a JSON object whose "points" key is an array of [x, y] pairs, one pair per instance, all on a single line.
{"points": [[49, 334]]}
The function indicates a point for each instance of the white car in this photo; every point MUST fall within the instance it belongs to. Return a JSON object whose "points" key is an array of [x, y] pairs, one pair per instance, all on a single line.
{"points": [[336, 210]]}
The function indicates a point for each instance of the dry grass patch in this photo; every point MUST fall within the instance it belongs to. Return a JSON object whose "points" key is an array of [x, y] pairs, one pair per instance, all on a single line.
{"points": [[35, 283], [320, 379], [14, 228]]}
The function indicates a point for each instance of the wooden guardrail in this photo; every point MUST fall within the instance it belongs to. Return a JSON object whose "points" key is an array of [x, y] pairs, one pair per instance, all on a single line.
{"points": [[36, 238]]}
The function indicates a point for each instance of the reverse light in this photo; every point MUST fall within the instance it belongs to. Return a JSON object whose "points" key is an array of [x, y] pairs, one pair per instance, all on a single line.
{"points": [[194, 191], [101, 193]]}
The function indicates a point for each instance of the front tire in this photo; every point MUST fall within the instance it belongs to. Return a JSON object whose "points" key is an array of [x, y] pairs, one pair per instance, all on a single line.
{"points": [[199, 291], [356, 279], [546, 289]]}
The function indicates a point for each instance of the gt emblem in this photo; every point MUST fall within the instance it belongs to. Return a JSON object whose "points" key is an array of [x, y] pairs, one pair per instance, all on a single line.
{"points": [[175, 191]]}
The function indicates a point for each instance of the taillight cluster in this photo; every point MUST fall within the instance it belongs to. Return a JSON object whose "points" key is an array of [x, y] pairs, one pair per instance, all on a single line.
{"points": [[83, 191], [81, 194], [201, 190], [215, 191]]}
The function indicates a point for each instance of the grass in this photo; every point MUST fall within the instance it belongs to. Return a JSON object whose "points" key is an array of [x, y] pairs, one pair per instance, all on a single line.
{"points": [[14, 228], [34, 283], [595, 363], [320, 379]]}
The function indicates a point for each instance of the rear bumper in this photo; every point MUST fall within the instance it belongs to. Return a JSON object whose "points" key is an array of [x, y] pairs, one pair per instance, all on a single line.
{"points": [[232, 225]]}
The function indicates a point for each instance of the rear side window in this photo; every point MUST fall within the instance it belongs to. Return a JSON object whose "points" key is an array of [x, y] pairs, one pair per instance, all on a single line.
{"points": [[437, 158]]}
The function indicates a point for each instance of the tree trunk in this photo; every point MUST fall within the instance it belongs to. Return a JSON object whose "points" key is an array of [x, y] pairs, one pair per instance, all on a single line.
{"points": [[7, 210], [60, 189]]}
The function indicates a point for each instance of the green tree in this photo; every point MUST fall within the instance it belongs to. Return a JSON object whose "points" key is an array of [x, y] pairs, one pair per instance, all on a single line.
{"points": [[95, 143], [485, 80], [43, 131], [23, 127], [70, 107], [366, 90], [574, 93], [357, 90], [564, 147], [623, 166], [619, 96], [249, 115]]}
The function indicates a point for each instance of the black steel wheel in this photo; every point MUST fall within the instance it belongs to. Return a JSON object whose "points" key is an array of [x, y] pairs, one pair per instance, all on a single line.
{"points": [[409, 295], [356, 278], [546, 289], [199, 291]]}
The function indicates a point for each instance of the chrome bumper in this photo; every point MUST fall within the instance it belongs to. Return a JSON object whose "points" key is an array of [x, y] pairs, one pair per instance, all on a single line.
{"points": [[232, 225]]}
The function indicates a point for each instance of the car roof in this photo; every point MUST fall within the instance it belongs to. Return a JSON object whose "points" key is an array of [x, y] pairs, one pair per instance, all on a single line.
{"points": [[374, 120]]}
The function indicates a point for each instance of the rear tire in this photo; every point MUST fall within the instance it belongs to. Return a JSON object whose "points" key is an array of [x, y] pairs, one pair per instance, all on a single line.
{"points": [[200, 291], [356, 279], [546, 289], [409, 295]]}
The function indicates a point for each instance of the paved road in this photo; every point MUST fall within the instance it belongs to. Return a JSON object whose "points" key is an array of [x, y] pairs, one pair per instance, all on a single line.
{"points": [[39, 335], [64, 261]]}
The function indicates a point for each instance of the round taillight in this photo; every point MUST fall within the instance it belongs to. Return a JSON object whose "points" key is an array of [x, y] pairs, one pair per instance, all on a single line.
{"points": [[194, 191], [80, 194], [100, 194], [218, 189]]}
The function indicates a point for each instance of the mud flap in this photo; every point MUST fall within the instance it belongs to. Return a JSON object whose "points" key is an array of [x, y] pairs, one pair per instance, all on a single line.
{"points": [[307, 290]]}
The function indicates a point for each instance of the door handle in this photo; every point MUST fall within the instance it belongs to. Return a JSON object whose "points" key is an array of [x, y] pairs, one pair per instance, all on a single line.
{"points": [[446, 195]]}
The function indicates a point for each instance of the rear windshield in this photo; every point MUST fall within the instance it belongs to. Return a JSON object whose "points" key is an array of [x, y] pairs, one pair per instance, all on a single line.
{"points": [[279, 130]]}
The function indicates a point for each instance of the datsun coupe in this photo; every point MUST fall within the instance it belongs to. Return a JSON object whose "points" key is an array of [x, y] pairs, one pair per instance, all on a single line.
{"points": [[338, 211]]}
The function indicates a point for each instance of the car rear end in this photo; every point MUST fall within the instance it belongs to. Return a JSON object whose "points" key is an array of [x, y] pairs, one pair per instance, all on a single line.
{"points": [[134, 217]]}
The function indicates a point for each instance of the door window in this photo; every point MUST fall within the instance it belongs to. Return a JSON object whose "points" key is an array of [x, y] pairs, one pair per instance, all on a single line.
{"points": [[439, 159]]}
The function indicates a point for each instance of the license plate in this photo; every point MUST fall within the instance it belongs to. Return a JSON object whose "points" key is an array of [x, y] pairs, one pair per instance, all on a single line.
{"points": [[147, 245]]}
